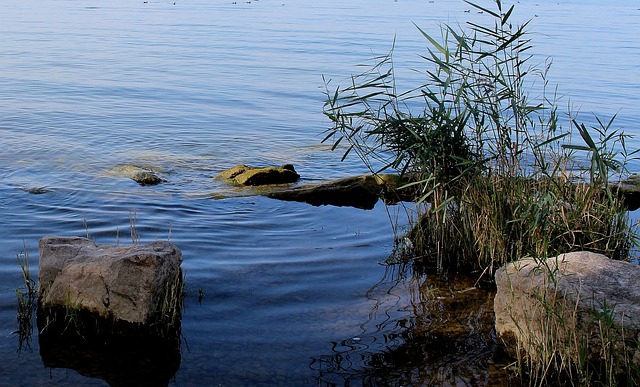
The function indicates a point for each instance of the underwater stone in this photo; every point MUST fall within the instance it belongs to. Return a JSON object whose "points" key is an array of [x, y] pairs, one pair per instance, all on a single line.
{"points": [[126, 283]]}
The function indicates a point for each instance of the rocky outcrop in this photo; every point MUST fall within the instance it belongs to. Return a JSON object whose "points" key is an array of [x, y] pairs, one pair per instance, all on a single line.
{"points": [[252, 176], [123, 283], [361, 191], [573, 304]]}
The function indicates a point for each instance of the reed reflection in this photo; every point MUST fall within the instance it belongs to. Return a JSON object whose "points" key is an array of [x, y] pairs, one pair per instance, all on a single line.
{"points": [[422, 329]]}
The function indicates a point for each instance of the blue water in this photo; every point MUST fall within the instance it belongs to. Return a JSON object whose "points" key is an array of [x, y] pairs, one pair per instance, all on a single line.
{"points": [[198, 86]]}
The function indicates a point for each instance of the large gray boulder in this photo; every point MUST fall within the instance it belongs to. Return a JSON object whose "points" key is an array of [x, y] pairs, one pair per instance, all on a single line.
{"points": [[126, 283], [570, 305]]}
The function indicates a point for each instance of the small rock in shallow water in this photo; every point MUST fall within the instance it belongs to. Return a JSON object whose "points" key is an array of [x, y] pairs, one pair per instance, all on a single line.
{"points": [[246, 175], [36, 190], [145, 178]]}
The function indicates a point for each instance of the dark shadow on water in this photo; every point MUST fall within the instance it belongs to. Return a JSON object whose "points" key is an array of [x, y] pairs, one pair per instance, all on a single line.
{"points": [[422, 330], [119, 360]]}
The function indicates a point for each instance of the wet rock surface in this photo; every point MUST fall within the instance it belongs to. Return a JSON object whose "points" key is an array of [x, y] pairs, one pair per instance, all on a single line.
{"points": [[360, 192], [252, 176], [586, 290], [145, 176], [124, 283], [630, 192]]}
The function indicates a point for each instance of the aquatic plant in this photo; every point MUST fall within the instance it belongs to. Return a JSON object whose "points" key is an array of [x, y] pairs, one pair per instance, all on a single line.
{"points": [[26, 301], [500, 175]]}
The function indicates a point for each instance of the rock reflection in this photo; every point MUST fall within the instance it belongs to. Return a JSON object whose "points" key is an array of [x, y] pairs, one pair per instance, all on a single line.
{"points": [[118, 360], [422, 330]]}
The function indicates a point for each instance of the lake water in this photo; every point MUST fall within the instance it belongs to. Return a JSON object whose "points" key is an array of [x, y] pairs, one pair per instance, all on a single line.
{"points": [[293, 294]]}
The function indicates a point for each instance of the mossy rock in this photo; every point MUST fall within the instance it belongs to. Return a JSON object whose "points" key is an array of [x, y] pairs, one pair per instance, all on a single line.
{"points": [[231, 173], [254, 176]]}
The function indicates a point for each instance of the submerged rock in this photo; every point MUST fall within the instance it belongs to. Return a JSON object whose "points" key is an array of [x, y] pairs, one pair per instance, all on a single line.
{"points": [[141, 175], [252, 176], [145, 178], [131, 284], [579, 297], [119, 361], [36, 190]]}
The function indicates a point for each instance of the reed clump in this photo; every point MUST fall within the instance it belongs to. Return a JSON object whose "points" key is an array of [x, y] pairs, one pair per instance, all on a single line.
{"points": [[26, 297], [501, 175]]}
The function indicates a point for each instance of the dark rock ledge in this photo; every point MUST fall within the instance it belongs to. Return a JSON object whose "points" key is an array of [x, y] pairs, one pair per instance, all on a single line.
{"points": [[361, 191]]}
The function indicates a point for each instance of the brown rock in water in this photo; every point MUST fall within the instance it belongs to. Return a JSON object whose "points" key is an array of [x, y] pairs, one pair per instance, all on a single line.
{"points": [[588, 291], [630, 192], [234, 171], [126, 283], [145, 178], [359, 191], [253, 176]]}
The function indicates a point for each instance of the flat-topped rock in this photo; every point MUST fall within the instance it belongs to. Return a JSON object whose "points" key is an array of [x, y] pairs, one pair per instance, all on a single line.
{"points": [[126, 283]]}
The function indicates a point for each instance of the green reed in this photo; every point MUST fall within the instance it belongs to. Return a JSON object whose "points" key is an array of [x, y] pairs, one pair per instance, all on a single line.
{"points": [[26, 296], [500, 175]]}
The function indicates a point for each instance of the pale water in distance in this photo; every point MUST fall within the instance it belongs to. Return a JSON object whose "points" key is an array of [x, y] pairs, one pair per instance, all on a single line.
{"points": [[198, 86]]}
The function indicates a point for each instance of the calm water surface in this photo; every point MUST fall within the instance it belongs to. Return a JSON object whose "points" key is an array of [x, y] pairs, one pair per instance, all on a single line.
{"points": [[293, 294]]}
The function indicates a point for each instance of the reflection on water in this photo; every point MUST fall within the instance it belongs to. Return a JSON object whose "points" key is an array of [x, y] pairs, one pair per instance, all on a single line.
{"points": [[117, 362], [422, 330]]}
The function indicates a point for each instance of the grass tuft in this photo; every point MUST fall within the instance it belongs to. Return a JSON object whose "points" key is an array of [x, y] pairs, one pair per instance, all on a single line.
{"points": [[27, 296]]}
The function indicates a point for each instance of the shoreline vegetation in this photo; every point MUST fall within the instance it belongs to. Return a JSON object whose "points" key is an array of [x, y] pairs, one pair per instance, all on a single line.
{"points": [[501, 175]]}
